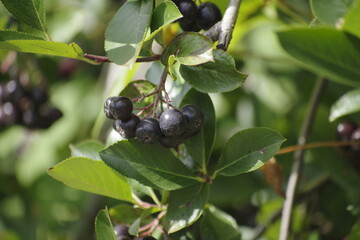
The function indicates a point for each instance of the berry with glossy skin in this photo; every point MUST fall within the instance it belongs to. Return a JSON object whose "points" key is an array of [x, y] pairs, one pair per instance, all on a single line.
{"points": [[126, 128], [148, 130], [172, 122], [171, 142], [207, 15], [118, 108], [355, 136], [195, 119], [122, 232], [146, 238], [344, 130], [187, 9]]}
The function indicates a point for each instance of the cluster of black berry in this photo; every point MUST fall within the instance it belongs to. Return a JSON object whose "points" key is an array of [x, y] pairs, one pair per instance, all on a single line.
{"points": [[196, 18], [26, 105], [122, 233], [349, 131], [170, 129]]}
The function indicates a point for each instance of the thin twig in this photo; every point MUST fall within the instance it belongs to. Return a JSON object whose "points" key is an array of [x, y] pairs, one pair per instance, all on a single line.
{"points": [[104, 59], [228, 24], [298, 159], [160, 88], [317, 145]]}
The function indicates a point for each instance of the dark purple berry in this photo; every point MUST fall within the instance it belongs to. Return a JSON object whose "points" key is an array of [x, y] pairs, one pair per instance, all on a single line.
{"points": [[355, 136], [13, 91], [146, 238], [39, 95], [9, 114], [187, 9], [171, 142], [122, 232], [195, 119], [148, 130], [207, 15], [172, 122], [126, 128], [344, 130], [188, 26], [118, 108], [30, 118]]}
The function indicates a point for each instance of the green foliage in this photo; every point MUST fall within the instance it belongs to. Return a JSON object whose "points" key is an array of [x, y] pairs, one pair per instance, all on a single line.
{"points": [[218, 76], [103, 226], [328, 52], [151, 165], [352, 18], [348, 103], [126, 31], [248, 150], [330, 12]]}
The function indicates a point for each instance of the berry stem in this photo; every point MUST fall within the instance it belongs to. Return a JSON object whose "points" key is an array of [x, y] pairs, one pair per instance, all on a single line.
{"points": [[142, 97], [160, 89]]}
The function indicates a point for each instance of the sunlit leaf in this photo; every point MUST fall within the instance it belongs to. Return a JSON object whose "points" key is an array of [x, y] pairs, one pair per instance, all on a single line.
{"points": [[348, 103]]}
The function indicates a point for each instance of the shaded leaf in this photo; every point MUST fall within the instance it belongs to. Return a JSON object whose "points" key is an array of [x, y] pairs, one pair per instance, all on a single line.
{"points": [[330, 11], [164, 14], [135, 226], [347, 104], [248, 150], [91, 176], [103, 226], [327, 52], [126, 31], [186, 206], [125, 214], [189, 48], [217, 224], [30, 12], [149, 164], [352, 20], [6, 35], [87, 149], [218, 76], [200, 146], [355, 232]]}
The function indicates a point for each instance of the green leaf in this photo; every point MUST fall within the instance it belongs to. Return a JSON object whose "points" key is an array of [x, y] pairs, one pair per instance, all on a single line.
{"points": [[87, 149], [186, 206], [248, 150], [125, 214], [330, 11], [347, 104], [217, 224], [355, 231], [135, 226], [200, 146], [23, 42], [218, 76], [164, 14], [125, 33], [91, 176], [352, 20], [103, 226], [149, 164], [189, 48], [30, 12], [327, 52]]}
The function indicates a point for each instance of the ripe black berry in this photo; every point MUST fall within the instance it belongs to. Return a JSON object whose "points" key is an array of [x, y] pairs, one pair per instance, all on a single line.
{"points": [[189, 26], [148, 130], [118, 108], [127, 127], [187, 9], [146, 238], [122, 232], [355, 136], [173, 122], [207, 15], [344, 130], [39, 95], [195, 119], [171, 142]]}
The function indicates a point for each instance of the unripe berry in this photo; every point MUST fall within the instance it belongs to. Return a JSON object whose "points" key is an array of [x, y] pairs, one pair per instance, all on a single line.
{"points": [[126, 128], [195, 119], [172, 122], [207, 15], [148, 130]]}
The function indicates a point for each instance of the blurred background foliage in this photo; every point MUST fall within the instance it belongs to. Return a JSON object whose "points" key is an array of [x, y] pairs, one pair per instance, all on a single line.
{"points": [[275, 95]]}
